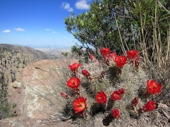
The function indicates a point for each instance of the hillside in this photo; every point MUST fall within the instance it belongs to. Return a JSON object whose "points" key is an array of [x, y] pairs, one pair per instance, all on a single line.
{"points": [[14, 58]]}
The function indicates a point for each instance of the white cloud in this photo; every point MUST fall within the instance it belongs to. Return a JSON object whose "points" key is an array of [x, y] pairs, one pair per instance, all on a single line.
{"points": [[19, 29], [82, 4], [47, 29], [67, 7], [50, 30], [6, 31]]}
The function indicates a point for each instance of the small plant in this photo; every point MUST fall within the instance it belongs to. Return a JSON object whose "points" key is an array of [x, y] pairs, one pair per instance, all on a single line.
{"points": [[65, 54], [109, 88]]}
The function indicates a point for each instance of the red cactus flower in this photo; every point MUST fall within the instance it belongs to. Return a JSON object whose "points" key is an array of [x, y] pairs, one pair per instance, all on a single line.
{"points": [[85, 73], [116, 113], [105, 52], [79, 105], [153, 87], [113, 55], [120, 61], [66, 96], [74, 67], [134, 102], [134, 57], [149, 106], [132, 54], [116, 95], [93, 59], [137, 61], [73, 83], [121, 90], [101, 97]]}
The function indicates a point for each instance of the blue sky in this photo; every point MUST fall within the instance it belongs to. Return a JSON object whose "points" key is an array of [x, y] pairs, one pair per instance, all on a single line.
{"points": [[38, 23]]}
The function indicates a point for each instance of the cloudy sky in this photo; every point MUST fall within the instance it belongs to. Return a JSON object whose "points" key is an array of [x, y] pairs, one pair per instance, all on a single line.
{"points": [[38, 23]]}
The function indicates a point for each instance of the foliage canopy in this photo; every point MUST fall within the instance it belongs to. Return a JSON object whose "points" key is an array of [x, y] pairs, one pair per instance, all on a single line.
{"points": [[120, 24]]}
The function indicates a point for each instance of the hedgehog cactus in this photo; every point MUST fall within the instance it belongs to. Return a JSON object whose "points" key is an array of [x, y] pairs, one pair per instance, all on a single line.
{"points": [[111, 87]]}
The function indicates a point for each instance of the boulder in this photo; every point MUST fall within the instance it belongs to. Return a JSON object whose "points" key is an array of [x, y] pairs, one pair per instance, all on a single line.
{"points": [[42, 87]]}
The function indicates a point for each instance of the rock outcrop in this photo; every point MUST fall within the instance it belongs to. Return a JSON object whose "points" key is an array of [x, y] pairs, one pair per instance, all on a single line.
{"points": [[38, 94]]}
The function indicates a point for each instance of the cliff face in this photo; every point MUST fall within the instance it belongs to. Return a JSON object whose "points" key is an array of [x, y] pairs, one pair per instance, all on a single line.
{"points": [[14, 58]]}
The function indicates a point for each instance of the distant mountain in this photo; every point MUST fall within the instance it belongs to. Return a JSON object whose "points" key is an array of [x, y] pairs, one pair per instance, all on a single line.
{"points": [[27, 50]]}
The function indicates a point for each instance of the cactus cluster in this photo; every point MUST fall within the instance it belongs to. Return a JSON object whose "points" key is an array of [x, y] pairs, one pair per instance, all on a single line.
{"points": [[115, 87]]}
